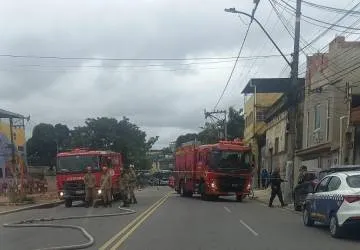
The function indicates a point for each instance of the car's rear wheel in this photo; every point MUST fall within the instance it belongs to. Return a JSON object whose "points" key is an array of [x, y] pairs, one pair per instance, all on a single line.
{"points": [[308, 221], [68, 203], [335, 229], [297, 207]]}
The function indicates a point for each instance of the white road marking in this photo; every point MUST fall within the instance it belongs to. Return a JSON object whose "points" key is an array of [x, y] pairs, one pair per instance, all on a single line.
{"points": [[249, 228], [227, 209]]}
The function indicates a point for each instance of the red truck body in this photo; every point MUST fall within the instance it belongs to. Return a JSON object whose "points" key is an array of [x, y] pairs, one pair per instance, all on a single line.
{"points": [[220, 169], [71, 168]]}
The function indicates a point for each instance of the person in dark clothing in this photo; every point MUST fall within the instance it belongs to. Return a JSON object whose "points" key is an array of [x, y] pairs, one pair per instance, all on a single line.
{"points": [[275, 182], [264, 177]]}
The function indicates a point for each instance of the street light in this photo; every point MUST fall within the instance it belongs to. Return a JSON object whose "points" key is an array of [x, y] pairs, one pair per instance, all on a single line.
{"points": [[233, 10]]}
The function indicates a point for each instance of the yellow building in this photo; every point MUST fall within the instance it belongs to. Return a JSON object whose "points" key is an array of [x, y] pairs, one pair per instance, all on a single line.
{"points": [[7, 169], [255, 110]]}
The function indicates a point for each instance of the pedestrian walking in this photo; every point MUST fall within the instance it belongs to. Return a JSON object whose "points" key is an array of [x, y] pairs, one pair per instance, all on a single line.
{"points": [[264, 178], [90, 182], [105, 184], [124, 188], [276, 187], [302, 173], [132, 184]]}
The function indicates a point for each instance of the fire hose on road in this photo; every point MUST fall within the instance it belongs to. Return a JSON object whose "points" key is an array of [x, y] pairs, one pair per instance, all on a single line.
{"points": [[38, 223]]}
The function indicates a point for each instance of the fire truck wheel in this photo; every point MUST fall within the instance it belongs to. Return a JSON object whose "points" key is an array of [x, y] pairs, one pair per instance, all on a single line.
{"points": [[68, 203], [207, 197], [182, 191], [239, 198]]}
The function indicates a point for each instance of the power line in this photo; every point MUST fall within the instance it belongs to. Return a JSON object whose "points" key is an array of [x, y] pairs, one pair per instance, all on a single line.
{"points": [[332, 25], [286, 23], [317, 37], [147, 65], [123, 59], [339, 53], [115, 70], [259, 50], [325, 31], [233, 69], [330, 28], [332, 9]]}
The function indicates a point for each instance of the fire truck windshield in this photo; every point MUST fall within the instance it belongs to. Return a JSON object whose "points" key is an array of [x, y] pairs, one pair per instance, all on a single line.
{"points": [[230, 160], [77, 163]]}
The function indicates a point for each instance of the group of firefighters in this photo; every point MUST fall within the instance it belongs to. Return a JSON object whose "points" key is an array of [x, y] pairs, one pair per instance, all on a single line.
{"points": [[127, 184]]}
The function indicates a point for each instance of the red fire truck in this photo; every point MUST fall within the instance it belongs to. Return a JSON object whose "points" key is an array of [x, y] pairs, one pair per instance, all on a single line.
{"points": [[71, 168], [220, 169]]}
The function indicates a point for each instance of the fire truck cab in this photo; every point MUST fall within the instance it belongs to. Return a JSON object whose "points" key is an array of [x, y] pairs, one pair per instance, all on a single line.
{"points": [[214, 170], [71, 168]]}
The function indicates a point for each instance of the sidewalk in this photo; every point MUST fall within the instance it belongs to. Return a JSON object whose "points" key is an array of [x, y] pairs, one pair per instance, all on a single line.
{"points": [[39, 201], [263, 195]]}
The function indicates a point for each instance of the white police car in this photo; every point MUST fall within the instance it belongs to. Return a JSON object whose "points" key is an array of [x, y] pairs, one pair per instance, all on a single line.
{"points": [[335, 202]]}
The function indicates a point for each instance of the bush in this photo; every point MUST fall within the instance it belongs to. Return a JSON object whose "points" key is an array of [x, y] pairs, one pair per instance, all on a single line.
{"points": [[15, 197]]}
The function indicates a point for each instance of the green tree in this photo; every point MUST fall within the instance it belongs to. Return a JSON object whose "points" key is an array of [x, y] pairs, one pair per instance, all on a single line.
{"points": [[62, 136], [186, 138], [41, 147], [236, 123], [98, 133], [210, 132]]}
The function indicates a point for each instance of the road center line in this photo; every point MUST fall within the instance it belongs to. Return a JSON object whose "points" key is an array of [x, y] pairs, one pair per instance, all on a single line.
{"points": [[249, 228], [133, 222], [137, 225], [227, 209]]}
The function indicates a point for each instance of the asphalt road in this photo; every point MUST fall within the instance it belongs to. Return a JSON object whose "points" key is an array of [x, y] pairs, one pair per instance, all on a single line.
{"points": [[178, 223], [193, 224], [102, 229]]}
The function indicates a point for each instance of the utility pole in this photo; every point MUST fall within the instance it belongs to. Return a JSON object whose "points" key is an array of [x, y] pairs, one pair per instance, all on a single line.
{"points": [[292, 110], [13, 159], [212, 115]]}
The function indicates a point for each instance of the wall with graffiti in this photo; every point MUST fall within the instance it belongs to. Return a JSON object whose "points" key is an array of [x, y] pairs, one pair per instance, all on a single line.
{"points": [[7, 169]]}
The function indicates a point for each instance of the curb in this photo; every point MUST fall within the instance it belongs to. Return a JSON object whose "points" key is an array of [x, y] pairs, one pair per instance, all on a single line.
{"points": [[42, 205], [283, 208]]}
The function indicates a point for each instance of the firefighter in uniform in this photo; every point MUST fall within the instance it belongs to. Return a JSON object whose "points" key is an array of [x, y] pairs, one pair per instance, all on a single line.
{"points": [[90, 182], [132, 184], [124, 187], [105, 184], [275, 183]]}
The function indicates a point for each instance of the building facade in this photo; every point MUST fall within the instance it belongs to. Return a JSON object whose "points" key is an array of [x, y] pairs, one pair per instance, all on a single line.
{"points": [[255, 110], [331, 80], [276, 139], [7, 168]]}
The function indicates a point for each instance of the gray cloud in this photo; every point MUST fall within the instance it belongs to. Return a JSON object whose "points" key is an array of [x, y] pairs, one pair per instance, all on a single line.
{"points": [[167, 100]]}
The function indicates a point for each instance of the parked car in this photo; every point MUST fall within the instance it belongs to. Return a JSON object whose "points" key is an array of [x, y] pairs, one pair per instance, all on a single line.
{"points": [[335, 202], [311, 179]]}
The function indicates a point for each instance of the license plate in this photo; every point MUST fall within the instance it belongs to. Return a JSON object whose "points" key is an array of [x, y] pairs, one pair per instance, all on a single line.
{"points": [[231, 193], [79, 192]]}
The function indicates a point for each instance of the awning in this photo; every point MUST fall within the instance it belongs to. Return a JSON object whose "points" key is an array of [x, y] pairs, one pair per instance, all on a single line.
{"points": [[8, 114], [314, 150], [270, 85]]}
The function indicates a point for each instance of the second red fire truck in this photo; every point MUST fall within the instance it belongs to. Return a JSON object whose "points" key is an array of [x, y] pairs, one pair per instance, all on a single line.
{"points": [[214, 170], [71, 167]]}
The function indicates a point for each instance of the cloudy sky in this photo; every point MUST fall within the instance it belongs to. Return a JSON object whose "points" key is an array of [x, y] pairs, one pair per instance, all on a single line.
{"points": [[164, 97]]}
